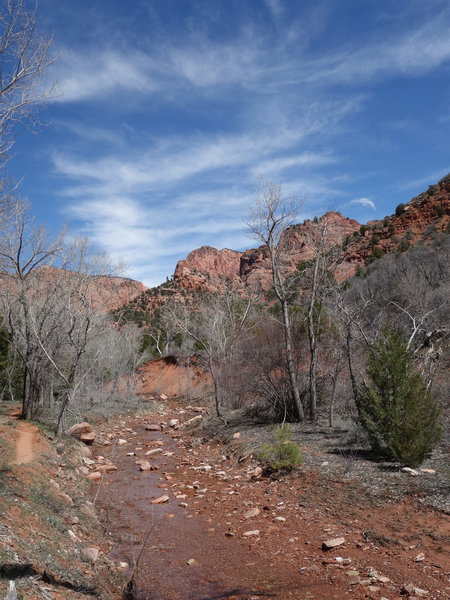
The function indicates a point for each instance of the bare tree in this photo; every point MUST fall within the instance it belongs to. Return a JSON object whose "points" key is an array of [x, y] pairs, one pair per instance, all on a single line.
{"points": [[315, 306], [216, 325], [24, 56], [22, 252], [270, 217], [52, 307]]}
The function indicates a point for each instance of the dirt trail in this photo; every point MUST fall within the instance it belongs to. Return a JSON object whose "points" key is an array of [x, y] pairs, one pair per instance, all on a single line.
{"points": [[25, 441]]}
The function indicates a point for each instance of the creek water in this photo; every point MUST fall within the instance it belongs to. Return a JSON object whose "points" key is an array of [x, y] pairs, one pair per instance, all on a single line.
{"points": [[168, 537]]}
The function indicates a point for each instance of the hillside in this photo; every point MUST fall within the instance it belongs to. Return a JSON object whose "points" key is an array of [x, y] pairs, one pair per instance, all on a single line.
{"points": [[206, 268]]}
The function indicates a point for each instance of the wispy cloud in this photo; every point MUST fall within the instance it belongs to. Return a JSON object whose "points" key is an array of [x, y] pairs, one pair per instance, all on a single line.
{"points": [[419, 49], [84, 75], [275, 7], [421, 182], [197, 113], [364, 202], [275, 166], [176, 159], [248, 61]]}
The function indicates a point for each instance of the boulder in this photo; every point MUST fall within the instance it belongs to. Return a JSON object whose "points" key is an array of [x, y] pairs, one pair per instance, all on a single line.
{"points": [[329, 544], [153, 427], [88, 437], [85, 452], [83, 432], [65, 498], [90, 554]]}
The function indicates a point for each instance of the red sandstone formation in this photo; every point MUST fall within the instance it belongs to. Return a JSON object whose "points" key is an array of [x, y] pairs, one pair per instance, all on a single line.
{"points": [[206, 267]]}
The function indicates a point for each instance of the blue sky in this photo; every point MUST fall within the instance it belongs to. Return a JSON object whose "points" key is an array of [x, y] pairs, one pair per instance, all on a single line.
{"points": [[168, 110]]}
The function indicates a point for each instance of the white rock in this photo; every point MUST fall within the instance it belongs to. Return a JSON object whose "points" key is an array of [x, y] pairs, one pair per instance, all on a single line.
{"points": [[154, 451], [253, 512], [160, 500], [251, 533], [12, 593], [411, 472], [420, 557]]}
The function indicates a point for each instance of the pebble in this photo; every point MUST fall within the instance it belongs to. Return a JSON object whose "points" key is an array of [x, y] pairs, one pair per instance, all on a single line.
{"points": [[254, 512], [152, 427], [193, 563], [410, 471], [160, 500], [420, 557]]}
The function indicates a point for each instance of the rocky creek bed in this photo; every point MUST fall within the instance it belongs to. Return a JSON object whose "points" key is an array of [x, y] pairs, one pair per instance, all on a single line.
{"points": [[204, 524]]}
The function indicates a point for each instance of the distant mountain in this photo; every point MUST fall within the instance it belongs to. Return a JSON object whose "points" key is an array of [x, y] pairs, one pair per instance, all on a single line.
{"points": [[206, 269]]}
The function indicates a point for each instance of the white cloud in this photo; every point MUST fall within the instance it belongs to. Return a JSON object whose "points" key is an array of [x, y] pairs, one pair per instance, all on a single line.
{"points": [[152, 203], [277, 165], [364, 202], [275, 7], [411, 53], [91, 132], [421, 182], [251, 61], [101, 73]]}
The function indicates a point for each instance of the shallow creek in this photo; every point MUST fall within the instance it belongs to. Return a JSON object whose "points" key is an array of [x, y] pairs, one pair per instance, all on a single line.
{"points": [[169, 536]]}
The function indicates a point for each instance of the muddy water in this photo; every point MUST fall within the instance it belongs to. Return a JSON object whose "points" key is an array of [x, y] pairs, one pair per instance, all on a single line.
{"points": [[168, 536]]}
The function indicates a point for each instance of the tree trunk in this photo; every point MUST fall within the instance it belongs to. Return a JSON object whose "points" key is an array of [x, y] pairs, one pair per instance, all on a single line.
{"points": [[290, 362], [216, 389], [333, 391], [350, 363], [312, 374], [61, 417], [312, 335]]}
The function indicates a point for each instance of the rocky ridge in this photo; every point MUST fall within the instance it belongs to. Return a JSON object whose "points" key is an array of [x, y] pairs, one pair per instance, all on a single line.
{"points": [[208, 269]]}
